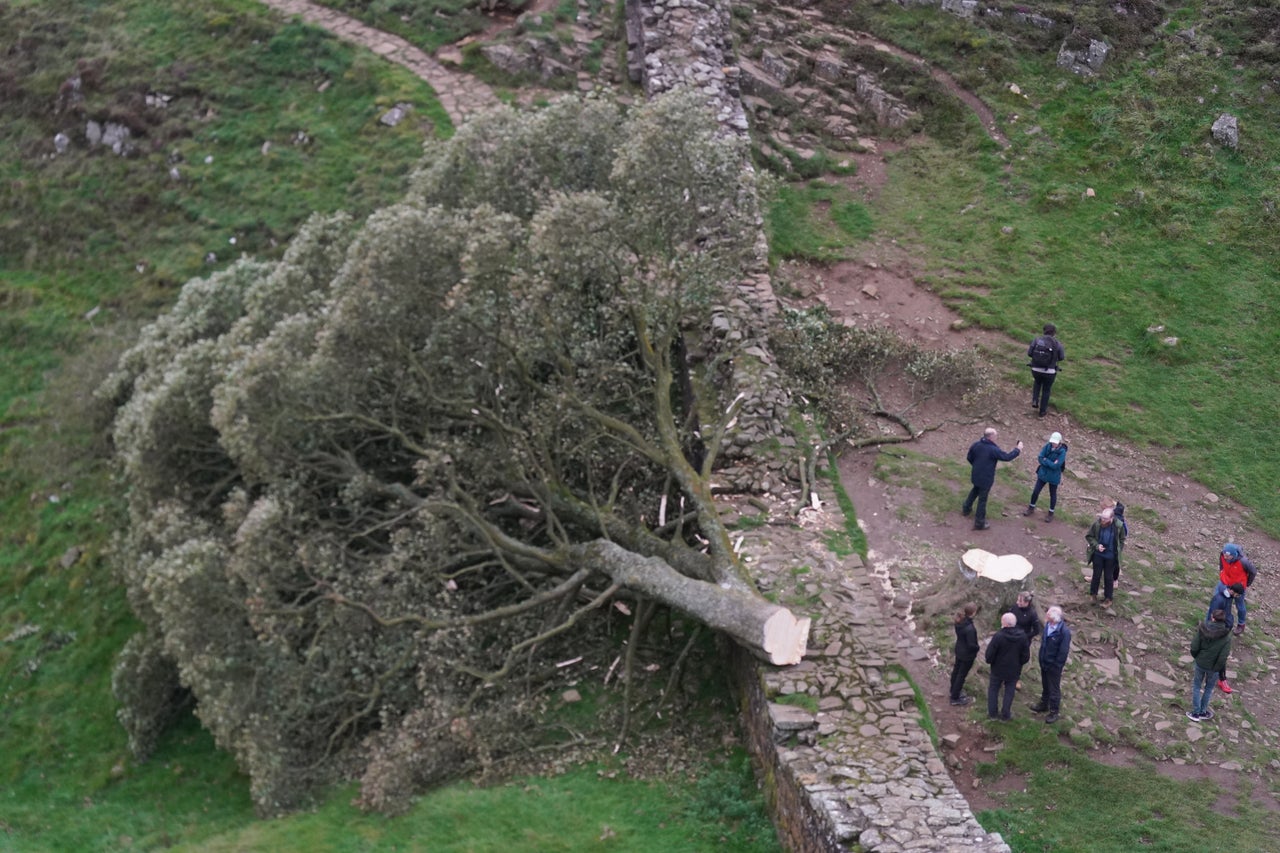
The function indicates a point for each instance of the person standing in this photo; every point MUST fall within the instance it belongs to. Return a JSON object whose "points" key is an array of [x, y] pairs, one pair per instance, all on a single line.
{"points": [[1106, 544], [1007, 651], [1235, 567], [1046, 353], [1028, 617], [1055, 646], [1222, 601], [966, 653], [982, 457], [1210, 647], [1052, 460]]}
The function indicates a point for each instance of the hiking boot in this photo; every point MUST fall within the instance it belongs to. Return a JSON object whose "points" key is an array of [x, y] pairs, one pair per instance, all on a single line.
{"points": [[963, 700], [1052, 718], [1106, 602], [1194, 717], [1238, 630], [1030, 510], [1049, 517], [1039, 708], [964, 510], [1224, 687], [981, 525]]}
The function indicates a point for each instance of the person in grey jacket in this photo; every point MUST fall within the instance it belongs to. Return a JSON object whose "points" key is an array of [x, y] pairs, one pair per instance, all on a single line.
{"points": [[1210, 647], [1055, 646], [1007, 651]]}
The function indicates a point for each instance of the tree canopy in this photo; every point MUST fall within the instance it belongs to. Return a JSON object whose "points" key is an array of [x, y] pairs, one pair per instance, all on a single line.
{"points": [[371, 481]]}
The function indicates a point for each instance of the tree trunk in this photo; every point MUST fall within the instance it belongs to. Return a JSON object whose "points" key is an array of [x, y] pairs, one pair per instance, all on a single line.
{"points": [[768, 630]]}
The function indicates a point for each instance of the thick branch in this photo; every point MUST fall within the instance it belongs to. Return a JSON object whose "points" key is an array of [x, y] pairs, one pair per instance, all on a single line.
{"points": [[766, 629]]}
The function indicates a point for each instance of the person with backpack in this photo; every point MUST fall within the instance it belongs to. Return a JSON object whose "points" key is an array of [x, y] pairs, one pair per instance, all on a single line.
{"points": [[1045, 353], [982, 458], [1234, 567], [1053, 459]]}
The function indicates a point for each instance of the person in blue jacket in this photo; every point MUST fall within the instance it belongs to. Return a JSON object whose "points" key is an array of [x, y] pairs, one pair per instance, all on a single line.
{"points": [[982, 457], [1055, 646], [1053, 458]]}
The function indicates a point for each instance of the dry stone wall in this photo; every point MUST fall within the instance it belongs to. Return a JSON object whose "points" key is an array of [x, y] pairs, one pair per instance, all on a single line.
{"points": [[850, 767]]}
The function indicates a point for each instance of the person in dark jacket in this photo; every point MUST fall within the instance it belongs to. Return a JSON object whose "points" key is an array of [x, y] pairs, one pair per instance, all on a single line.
{"points": [[1222, 601], [1106, 544], [1043, 373], [1234, 567], [966, 653], [1055, 645], [1052, 459], [983, 456], [1210, 647], [1028, 617], [1007, 651]]}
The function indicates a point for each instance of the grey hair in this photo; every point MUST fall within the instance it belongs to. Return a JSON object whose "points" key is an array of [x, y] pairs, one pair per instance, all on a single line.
{"points": [[1008, 620], [1054, 613], [989, 431]]}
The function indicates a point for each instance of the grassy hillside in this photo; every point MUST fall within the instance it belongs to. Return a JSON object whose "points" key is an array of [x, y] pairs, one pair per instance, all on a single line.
{"points": [[239, 127], [261, 123], [1115, 215]]}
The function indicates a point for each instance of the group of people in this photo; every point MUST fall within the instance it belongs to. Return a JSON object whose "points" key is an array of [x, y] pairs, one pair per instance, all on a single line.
{"points": [[1211, 643], [1008, 652], [1010, 648]]}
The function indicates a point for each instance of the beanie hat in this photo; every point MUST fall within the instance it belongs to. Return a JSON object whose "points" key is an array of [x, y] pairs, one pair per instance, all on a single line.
{"points": [[1231, 551]]}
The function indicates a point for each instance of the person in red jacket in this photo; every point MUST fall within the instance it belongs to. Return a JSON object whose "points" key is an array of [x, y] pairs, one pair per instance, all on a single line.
{"points": [[1235, 567]]}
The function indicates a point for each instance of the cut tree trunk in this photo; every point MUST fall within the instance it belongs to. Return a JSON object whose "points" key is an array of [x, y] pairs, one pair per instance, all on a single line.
{"points": [[769, 631]]}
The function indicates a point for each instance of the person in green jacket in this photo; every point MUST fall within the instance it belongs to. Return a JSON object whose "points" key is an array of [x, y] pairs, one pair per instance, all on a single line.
{"points": [[1106, 543], [1210, 647]]}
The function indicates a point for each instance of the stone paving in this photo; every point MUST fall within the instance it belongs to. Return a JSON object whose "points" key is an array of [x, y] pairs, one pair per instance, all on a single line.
{"points": [[461, 95], [845, 722]]}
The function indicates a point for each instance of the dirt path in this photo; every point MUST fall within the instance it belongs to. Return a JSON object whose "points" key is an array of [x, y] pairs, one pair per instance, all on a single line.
{"points": [[461, 95], [1127, 686]]}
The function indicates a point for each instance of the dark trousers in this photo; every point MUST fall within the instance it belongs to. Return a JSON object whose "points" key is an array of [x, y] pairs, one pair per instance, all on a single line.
{"points": [[978, 493], [1051, 688], [1053, 493], [959, 673], [1104, 569], [1040, 389], [993, 696]]}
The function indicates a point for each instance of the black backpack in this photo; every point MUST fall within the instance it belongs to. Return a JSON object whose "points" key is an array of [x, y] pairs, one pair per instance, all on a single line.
{"points": [[1043, 352]]}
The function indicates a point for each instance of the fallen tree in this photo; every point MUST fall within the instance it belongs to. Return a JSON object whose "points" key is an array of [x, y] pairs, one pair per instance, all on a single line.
{"points": [[372, 482]]}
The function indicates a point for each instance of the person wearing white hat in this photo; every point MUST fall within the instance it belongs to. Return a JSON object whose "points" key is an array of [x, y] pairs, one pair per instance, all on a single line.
{"points": [[1052, 459]]}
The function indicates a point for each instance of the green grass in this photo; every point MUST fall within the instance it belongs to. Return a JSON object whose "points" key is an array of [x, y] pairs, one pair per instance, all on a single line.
{"points": [[427, 25], [1175, 235], [815, 221], [1066, 802]]}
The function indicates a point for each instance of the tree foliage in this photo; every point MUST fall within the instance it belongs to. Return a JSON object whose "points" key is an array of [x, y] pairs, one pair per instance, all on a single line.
{"points": [[370, 482]]}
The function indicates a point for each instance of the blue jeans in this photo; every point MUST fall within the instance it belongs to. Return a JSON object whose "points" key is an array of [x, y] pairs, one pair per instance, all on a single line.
{"points": [[1203, 679], [1241, 609]]}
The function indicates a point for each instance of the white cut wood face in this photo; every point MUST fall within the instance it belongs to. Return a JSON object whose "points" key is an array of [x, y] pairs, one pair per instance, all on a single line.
{"points": [[1001, 569]]}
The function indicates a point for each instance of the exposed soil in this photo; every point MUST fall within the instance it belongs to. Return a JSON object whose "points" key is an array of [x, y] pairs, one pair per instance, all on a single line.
{"points": [[1173, 520]]}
